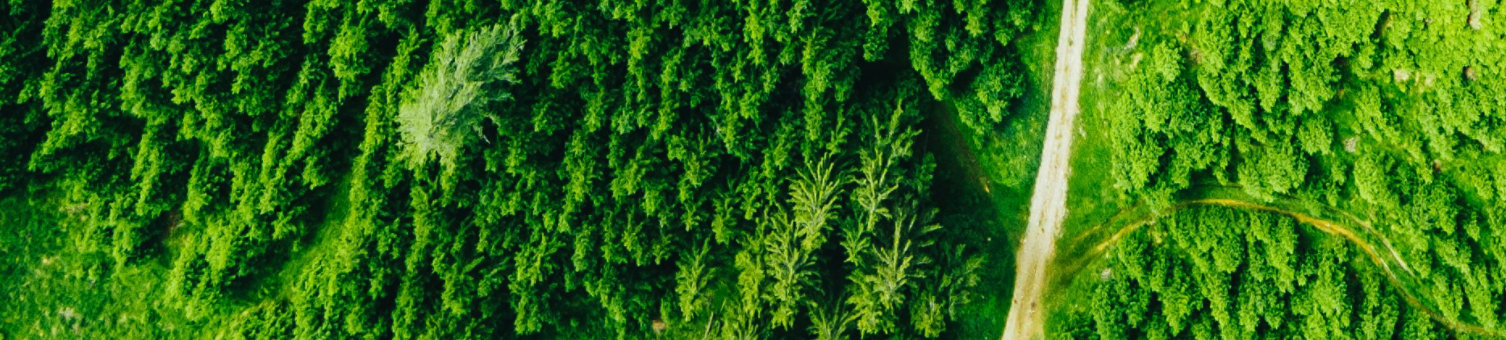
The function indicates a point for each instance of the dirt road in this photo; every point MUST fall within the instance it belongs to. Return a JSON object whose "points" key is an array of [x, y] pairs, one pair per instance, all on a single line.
{"points": [[1048, 203]]}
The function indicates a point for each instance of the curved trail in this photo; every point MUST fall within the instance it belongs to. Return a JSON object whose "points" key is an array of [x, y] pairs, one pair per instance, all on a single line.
{"points": [[1358, 232], [1048, 204]]}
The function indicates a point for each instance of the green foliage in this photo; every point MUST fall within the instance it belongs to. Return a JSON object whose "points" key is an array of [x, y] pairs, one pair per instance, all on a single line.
{"points": [[456, 90], [266, 170], [1166, 282], [22, 122], [793, 242], [1366, 109]]}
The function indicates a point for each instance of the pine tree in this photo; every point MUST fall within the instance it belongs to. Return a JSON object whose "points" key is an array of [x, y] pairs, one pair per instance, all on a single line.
{"points": [[469, 73]]}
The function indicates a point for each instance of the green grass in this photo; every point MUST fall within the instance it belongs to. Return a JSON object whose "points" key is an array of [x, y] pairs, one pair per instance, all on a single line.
{"points": [[26, 238], [995, 175], [1091, 196], [54, 288], [1108, 59]]}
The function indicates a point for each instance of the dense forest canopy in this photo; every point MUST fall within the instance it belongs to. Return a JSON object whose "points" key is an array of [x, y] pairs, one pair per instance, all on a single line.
{"points": [[1388, 115], [450, 169], [745, 169]]}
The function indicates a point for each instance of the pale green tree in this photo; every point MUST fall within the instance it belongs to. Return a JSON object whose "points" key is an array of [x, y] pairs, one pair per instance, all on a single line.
{"points": [[468, 73]]}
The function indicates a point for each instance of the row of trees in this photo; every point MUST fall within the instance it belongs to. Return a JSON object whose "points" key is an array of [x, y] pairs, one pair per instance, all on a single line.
{"points": [[1385, 109], [481, 169]]}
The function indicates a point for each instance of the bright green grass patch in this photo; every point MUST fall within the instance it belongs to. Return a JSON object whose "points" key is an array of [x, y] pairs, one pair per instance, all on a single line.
{"points": [[1001, 169]]}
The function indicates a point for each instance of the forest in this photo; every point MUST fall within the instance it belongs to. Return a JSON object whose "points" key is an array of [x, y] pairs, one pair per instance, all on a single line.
{"points": [[497, 169], [748, 169], [1296, 169]]}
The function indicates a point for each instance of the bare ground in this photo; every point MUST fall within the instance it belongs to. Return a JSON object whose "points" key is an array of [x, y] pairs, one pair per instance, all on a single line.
{"points": [[1048, 204]]}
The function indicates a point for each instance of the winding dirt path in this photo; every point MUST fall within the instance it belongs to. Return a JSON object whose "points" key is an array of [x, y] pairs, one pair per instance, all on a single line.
{"points": [[1048, 203]]}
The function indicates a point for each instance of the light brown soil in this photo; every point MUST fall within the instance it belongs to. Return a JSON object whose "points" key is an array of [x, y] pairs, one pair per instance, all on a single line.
{"points": [[1048, 204]]}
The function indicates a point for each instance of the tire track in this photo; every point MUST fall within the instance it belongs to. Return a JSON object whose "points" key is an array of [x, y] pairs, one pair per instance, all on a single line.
{"points": [[1360, 233]]}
